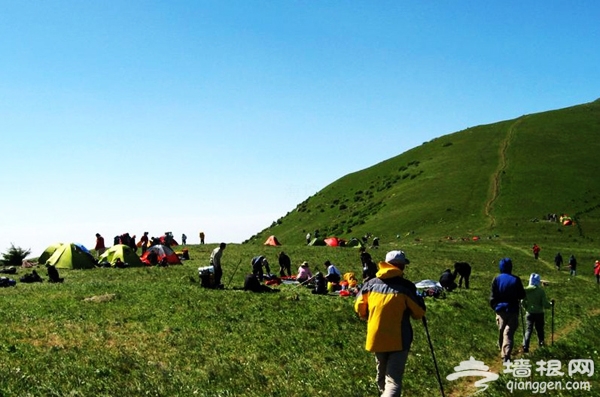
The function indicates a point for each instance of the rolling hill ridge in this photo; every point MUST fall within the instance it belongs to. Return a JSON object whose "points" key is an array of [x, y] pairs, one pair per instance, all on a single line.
{"points": [[499, 179]]}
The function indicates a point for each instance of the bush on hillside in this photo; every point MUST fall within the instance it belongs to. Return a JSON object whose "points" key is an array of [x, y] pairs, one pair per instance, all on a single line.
{"points": [[14, 256]]}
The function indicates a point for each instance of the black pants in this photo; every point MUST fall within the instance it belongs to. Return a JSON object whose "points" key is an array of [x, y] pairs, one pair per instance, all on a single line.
{"points": [[466, 275], [218, 275], [534, 320]]}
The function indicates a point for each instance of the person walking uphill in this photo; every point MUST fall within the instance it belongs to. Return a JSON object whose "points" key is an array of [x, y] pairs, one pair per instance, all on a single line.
{"points": [[534, 304], [387, 302], [507, 292], [100, 247], [536, 251], [215, 261]]}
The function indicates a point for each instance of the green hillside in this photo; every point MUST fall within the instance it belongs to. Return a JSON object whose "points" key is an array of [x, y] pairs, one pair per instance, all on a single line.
{"points": [[500, 179]]}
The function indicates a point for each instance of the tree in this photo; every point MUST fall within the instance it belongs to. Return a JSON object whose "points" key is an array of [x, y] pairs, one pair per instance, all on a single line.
{"points": [[14, 256]]}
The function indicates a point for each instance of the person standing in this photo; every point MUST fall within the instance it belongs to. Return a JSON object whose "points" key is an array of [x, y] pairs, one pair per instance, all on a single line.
{"points": [[463, 269], [387, 302], [144, 241], [536, 251], [558, 261], [183, 239], [308, 238], [507, 292], [534, 304], [597, 272], [215, 262], [100, 247], [201, 237], [573, 265], [257, 267], [285, 264], [369, 267]]}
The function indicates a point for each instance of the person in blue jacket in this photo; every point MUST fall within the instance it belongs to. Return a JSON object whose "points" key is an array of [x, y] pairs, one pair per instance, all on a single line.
{"points": [[507, 293]]}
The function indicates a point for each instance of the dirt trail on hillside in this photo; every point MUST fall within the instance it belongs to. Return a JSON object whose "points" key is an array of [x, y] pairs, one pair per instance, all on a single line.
{"points": [[497, 176]]}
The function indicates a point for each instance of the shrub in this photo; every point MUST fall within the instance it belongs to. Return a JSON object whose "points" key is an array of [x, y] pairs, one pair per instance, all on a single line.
{"points": [[14, 256]]}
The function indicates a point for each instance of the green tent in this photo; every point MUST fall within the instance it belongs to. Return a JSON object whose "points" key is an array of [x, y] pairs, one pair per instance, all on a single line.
{"points": [[71, 256], [123, 252], [354, 242], [317, 241], [48, 253]]}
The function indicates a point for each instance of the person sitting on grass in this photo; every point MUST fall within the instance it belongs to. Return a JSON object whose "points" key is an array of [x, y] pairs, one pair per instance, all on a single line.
{"points": [[304, 273], [333, 274], [447, 281]]}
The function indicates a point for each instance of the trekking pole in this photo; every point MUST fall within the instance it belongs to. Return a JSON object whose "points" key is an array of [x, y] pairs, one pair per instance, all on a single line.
{"points": [[437, 371], [522, 320], [234, 272], [552, 337], [306, 281]]}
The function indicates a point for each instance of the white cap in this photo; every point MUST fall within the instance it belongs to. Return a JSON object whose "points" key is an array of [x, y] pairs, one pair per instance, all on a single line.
{"points": [[396, 258]]}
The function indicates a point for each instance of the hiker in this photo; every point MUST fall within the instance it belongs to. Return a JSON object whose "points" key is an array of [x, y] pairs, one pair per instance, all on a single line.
{"points": [[285, 264], [507, 292], [155, 241], [100, 247], [117, 240], [201, 237], [573, 266], [215, 261], [183, 238], [320, 284], [251, 283], [144, 241], [536, 251], [447, 280], [304, 273], [168, 239], [333, 274], [257, 266], [462, 269], [558, 261], [375, 243], [132, 244], [53, 275], [308, 238], [369, 267], [534, 304], [597, 272], [153, 257], [387, 302]]}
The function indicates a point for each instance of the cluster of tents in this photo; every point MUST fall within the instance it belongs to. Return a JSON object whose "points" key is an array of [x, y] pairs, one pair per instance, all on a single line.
{"points": [[76, 256], [328, 241]]}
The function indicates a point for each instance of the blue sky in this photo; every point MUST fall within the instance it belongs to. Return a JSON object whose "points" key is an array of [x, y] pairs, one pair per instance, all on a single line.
{"points": [[222, 116]]}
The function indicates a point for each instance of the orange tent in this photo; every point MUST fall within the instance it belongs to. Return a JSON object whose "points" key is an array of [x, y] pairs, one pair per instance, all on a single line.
{"points": [[332, 241], [272, 240]]}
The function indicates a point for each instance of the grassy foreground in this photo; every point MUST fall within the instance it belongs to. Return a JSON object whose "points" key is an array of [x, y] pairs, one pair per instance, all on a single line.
{"points": [[156, 332]]}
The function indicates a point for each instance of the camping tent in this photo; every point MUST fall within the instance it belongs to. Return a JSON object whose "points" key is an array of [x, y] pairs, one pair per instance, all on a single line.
{"points": [[272, 240], [163, 252], [71, 256], [354, 242], [317, 241], [123, 252], [48, 253], [332, 241]]}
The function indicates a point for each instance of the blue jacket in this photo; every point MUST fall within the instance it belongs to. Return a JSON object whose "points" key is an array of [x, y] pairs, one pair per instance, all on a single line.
{"points": [[507, 289]]}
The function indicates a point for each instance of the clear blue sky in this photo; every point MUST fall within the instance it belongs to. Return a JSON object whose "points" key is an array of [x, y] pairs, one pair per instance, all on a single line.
{"points": [[222, 116]]}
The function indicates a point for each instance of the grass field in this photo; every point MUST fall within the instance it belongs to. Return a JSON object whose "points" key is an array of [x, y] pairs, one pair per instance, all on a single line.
{"points": [[156, 332]]}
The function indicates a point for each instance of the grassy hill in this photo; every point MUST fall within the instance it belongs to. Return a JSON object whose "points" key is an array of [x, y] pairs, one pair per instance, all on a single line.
{"points": [[489, 180]]}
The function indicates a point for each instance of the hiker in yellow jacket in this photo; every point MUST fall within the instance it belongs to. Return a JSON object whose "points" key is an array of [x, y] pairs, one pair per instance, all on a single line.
{"points": [[387, 302]]}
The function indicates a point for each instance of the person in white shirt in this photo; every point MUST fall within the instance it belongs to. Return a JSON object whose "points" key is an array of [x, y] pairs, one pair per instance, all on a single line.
{"points": [[333, 274], [215, 261]]}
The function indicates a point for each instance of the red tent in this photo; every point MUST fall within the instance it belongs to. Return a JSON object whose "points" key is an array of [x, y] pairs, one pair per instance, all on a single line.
{"points": [[272, 240], [163, 252], [332, 241]]}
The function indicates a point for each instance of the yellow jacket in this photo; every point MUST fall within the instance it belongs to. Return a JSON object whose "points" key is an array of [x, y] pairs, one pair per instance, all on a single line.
{"points": [[387, 302]]}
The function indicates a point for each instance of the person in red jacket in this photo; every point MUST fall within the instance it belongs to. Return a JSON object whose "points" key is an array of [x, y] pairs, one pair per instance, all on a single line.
{"points": [[597, 271], [536, 251], [387, 302], [100, 247]]}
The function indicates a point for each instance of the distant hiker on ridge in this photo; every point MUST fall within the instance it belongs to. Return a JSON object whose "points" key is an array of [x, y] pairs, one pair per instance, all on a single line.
{"points": [[558, 260], [536, 251]]}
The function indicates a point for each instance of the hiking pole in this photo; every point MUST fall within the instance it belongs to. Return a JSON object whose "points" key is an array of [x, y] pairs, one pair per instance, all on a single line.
{"points": [[437, 371], [522, 321], [552, 337], [234, 272], [305, 281]]}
